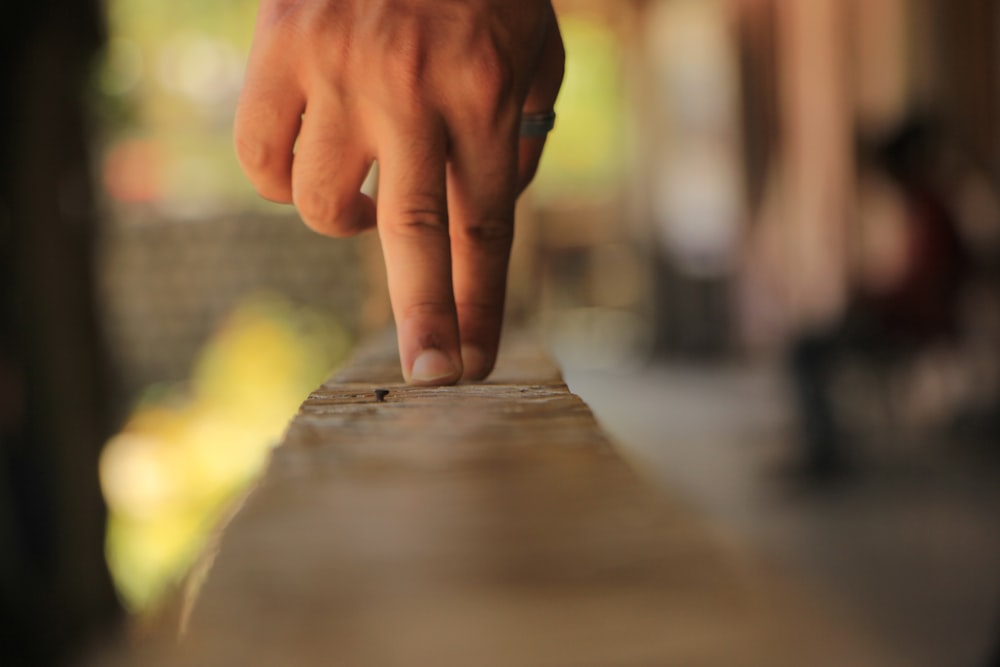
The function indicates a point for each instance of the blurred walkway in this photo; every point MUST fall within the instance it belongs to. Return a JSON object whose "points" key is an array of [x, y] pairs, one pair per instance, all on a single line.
{"points": [[910, 548]]}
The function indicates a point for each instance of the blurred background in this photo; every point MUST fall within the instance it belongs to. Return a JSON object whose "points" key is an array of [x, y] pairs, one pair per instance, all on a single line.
{"points": [[764, 244]]}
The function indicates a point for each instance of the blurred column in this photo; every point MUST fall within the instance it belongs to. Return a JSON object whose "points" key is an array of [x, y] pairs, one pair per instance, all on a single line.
{"points": [[968, 84], [816, 141], [691, 155], [882, 75], [754, 23], [55, 393]]}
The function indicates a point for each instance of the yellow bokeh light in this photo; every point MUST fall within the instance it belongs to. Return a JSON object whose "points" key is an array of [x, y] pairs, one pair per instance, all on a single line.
{"points": [[180, 460]]}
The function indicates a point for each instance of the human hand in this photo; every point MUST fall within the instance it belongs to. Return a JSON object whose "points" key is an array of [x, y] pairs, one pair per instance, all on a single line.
{"points": [[434, 90]]}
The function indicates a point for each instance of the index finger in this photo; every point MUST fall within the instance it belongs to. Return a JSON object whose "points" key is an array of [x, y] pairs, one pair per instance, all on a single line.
{"points": [[413, 227]]}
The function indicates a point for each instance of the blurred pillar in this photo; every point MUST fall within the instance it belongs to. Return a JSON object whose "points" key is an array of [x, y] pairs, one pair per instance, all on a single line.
{"points": [[882, 74], [968, 85], [55, 591], [816, 153], [688, 92], [755, 26]]}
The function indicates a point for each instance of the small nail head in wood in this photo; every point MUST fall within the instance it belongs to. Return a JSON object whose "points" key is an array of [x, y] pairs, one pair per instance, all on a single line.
{"points": [[380, 395]]}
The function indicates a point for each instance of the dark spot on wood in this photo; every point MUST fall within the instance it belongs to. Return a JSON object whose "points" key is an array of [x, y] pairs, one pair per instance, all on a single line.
{"points": [[380, 395]]}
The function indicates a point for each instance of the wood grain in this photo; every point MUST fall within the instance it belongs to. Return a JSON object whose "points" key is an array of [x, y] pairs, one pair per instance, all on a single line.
{"points": [[482, 525]]}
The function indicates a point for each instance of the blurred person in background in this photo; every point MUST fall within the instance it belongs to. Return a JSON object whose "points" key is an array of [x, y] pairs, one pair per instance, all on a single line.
{"points": [[889, 321]]}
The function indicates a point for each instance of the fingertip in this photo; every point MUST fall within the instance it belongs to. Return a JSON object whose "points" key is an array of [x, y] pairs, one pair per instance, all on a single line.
{"points": [[476, 364], [434, 367], [276, 195], [265, 156]]}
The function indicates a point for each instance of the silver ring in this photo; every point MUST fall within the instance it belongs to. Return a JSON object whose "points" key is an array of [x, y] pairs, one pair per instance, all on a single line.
{"points": [[537, 125]]}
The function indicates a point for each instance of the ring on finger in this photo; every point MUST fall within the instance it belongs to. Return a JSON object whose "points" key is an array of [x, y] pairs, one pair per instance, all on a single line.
{"points": [[537, 125]]}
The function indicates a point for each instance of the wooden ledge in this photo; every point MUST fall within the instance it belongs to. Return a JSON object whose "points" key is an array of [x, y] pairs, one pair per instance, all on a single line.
{"points": [[478, 526]]}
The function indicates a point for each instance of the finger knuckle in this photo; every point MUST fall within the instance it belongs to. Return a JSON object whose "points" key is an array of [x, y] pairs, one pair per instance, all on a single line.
{"points": [[255, 155], [418, 222], [325, 213], [488, 232], [260, 123], [403, 67], [423, 218], [491, 78], [264, 168]]}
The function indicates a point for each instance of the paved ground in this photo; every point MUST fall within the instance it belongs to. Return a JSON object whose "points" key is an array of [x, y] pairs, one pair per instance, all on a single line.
{"points": [[910, 547]]}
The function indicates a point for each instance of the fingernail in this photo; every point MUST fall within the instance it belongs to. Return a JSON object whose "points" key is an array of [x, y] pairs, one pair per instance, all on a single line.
{"points": [[433, 366], [474, 362]]}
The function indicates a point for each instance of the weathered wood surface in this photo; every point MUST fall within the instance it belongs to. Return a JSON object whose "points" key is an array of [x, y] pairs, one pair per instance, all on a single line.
{"points": [[478, 526]]}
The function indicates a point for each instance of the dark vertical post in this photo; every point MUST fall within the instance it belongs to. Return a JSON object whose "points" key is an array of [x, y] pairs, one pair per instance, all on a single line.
{"points": [[969, 93], [55, 592]]}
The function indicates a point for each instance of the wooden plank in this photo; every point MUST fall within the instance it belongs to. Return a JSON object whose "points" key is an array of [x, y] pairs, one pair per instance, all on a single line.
{"points": [[481, 525]]}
